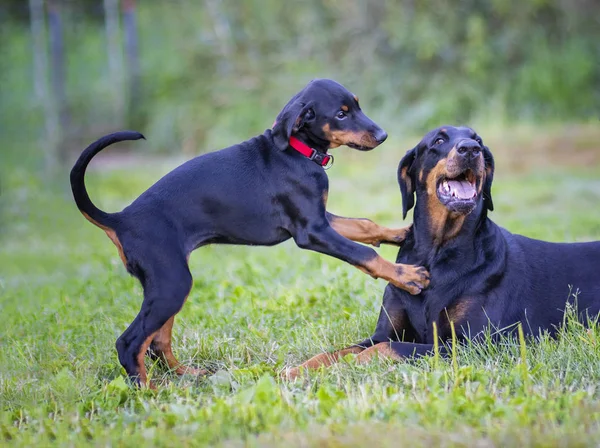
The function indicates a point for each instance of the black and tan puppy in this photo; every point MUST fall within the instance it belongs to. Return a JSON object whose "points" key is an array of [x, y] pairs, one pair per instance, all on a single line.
{"points": [[260, 192], [481, 274]]}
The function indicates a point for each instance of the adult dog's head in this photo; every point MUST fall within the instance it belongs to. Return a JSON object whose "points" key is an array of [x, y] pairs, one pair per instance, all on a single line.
{"points": [[451, 171], [326, 115]]}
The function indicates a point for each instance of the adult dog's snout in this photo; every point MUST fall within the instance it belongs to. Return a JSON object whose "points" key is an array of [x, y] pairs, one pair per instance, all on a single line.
{"points": [[468, 149]]}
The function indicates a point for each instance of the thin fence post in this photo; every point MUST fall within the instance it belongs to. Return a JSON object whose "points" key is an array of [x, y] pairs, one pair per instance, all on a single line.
{"points": [[115, 60], [57, 69], [132, 57], [49, 139]]}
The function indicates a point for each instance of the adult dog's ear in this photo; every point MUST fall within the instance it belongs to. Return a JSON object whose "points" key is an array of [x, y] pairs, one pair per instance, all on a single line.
{"points": [[489, 177], [293, 116], [406, 180]]}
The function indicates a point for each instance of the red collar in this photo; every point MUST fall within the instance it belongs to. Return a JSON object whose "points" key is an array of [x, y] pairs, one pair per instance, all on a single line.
{"points": [[319, 158]]}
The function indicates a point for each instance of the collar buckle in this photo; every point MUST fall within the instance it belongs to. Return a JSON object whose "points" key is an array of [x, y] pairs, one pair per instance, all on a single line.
{"points": [[323, 159]]}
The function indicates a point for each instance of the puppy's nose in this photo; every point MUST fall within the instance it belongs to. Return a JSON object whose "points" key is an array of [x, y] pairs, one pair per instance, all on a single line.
{"points": [[380, 136], [468, 148]]}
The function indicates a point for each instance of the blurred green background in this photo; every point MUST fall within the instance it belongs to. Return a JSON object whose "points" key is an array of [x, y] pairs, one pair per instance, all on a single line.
{"points": [[200, 75]]}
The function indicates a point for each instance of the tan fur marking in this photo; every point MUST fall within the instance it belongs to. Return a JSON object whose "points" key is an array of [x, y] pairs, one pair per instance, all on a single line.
{"points": [[162, 345], [355, 98], [320, 360], [438, 214], [382, 350], [111, 234], [399, 322], [339, 138], [380, 268], [345, 108], [163, 348], [366, 231], [140, 362], [488, 172], [327, 134], [407, 179], [457, 312]]}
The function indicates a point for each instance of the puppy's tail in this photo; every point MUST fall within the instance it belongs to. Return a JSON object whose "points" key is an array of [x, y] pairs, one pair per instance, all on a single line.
{"points": [[84, 203]]}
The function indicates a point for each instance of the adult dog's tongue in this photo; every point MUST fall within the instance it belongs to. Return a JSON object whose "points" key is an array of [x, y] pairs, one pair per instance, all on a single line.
{"points": [[462, 189]]}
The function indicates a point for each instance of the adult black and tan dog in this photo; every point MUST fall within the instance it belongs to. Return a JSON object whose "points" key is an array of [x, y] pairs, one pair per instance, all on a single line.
{"points": [[481, 274], [261, 192]]}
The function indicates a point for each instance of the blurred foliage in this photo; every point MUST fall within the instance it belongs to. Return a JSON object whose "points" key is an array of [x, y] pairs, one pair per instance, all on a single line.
{"points": [[217, 72]]}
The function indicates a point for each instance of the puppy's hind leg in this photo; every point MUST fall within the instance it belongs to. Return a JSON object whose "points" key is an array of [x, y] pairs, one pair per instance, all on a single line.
{"points": [[160, 348], [167, 281]]}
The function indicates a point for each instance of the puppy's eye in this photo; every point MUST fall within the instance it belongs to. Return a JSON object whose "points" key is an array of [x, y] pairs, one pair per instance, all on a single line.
{"points": [[439, 141], [340, 115], [478, 140]]}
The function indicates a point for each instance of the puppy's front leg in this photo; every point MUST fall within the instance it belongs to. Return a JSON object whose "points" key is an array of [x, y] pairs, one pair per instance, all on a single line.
{"points": [[321, 237], [364, 230]]}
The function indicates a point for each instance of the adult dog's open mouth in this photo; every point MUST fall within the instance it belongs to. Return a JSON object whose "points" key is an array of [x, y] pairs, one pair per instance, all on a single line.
{"points": [[458, 194]]}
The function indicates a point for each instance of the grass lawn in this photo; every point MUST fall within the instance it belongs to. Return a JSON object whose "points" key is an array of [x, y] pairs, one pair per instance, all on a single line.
{"points": [[65, 298]]}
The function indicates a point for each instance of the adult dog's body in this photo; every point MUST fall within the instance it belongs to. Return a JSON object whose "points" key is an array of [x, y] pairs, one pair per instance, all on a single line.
{"points": [[481, 274], [260, 192]]}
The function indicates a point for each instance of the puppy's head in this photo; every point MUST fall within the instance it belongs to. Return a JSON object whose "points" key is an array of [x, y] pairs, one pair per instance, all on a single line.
{"points": [[452, 167], [327, 115]]}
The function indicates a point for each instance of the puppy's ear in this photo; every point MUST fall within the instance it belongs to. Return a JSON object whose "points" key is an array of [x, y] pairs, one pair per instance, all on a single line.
{"points": [[289, 121], [489, 177], [406, 180]]}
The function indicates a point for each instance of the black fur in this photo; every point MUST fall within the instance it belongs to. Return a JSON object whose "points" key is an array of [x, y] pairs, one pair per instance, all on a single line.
{"points": [[483, 276]]}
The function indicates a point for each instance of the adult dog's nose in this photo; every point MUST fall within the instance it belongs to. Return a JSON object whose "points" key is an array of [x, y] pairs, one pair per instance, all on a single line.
{"points": [[468, 149]]}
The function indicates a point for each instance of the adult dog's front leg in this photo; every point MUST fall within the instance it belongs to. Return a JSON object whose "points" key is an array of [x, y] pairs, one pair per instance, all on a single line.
{"points": [[364, 230], [320, 360], [398, 351], [324, 239]]}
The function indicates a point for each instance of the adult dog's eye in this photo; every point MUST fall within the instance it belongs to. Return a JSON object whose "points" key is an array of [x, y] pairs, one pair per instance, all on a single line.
{"points": [[439, 141], [340, 115]]}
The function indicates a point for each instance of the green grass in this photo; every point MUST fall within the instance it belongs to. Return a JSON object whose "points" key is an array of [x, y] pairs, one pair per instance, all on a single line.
{"points": [[65, 298]]}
